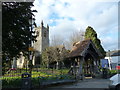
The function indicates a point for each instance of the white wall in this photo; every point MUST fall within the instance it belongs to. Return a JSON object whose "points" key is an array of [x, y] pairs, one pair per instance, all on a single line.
{"points": [[115, 59]]}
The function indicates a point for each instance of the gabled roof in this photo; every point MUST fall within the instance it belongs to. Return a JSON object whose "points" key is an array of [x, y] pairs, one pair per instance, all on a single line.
{"points": [[117, 53], [80, 48], [113, 53]]}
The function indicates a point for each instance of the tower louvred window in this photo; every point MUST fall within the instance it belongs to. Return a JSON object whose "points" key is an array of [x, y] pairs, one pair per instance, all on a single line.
{"points": [[45, 34]]}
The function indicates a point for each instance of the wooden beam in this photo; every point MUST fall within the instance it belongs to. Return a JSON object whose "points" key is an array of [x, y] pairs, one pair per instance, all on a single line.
{"points": [[80, 74]]}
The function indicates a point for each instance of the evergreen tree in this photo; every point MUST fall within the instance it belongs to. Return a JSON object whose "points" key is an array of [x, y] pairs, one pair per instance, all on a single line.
{"points": [[15, 28], [91, 33]]}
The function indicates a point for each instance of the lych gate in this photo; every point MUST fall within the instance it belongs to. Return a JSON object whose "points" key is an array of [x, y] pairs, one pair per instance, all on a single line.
{"points": [[85, 59]]}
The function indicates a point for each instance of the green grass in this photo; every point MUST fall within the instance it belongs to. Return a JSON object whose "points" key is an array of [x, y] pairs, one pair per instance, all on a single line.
{"points": [[113, 71]]}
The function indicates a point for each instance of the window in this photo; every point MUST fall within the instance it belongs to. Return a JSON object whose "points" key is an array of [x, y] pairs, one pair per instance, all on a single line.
{"points": [[37, 33]]}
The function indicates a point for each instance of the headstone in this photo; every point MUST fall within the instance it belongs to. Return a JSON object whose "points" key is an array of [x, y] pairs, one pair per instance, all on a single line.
{"points": [[14, 65]]}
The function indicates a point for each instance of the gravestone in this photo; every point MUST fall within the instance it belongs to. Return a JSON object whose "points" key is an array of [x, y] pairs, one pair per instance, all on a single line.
{"points": [[14, 65]]}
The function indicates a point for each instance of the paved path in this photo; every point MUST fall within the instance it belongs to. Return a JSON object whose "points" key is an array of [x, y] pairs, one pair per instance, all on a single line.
{"points": [[88, 83]]}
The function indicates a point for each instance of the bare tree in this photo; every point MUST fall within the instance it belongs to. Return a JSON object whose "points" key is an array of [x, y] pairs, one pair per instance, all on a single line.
{"points": [[54, 54], [57, 40], [74, 37]]}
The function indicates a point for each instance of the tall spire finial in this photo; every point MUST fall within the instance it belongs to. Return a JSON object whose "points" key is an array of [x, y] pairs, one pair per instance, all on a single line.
{"points": [[47, 26], [42, 23]]}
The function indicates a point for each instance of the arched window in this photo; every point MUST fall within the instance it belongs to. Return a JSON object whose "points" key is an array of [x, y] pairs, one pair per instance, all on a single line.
{"points": [[37, 33]]}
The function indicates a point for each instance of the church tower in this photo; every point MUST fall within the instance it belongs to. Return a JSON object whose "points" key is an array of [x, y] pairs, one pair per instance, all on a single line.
{"points": [[42, 33], [42, 37]]}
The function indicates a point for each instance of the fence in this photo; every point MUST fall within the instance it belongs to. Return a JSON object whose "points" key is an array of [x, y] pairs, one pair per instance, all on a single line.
{"points": [[35, 72]]}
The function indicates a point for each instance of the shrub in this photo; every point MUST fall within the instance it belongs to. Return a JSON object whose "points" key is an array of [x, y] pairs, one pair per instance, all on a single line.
{"points": [[11, 82]]}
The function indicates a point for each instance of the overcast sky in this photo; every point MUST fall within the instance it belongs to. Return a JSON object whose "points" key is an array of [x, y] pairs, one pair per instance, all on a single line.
{"points": [[65, 16]]}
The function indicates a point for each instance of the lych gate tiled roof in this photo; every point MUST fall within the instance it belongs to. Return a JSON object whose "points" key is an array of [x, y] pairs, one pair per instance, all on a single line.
{"points": [[80, 47]]}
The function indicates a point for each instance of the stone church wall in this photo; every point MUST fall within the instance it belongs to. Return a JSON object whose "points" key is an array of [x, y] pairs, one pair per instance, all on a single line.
{"points": [[42, 43]]}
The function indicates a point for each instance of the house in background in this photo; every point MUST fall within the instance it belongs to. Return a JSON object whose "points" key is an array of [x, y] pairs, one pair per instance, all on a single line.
{"points": [[113, 58]]}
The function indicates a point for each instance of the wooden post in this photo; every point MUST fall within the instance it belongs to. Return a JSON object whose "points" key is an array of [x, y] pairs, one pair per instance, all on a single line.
{"points": [[96, 69], [74, 72], [78, 64], [80, 74]]}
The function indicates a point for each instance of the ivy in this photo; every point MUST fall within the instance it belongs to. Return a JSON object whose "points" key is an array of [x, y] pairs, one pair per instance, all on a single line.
{"points": [[91, 34]]}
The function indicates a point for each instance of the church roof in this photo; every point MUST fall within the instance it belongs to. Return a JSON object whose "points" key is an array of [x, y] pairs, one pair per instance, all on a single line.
{"points": [[80, 48]]}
